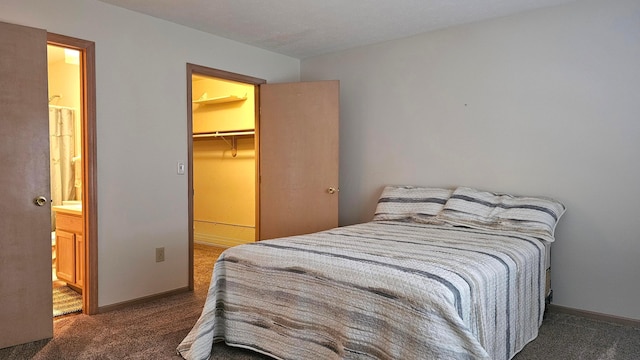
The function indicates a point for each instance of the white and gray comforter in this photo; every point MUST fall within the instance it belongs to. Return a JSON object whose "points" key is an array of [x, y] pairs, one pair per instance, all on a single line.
{"points": [[379, 290]]}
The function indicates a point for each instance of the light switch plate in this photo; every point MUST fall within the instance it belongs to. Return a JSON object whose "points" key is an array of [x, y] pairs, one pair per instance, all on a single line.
{"points": [[180, 167]]}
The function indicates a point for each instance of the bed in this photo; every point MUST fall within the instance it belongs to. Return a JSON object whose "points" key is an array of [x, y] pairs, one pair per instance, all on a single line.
{"points": [[437, 274]]}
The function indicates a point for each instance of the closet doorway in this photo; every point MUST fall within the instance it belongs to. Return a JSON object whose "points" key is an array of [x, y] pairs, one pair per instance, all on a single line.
{"points": [[224, 161], [295, 149]]}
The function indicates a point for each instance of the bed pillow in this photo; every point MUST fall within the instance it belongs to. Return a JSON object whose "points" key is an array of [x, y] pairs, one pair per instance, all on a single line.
{"points": [[411, 203], [535, 216]]}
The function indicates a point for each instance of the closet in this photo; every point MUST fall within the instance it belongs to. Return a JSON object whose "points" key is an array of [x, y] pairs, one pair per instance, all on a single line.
{"points": [[224, 161], [263, 158]]}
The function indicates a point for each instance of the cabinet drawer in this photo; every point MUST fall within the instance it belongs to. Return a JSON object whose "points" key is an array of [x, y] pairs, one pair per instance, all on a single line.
{"points": [[69, 223]]}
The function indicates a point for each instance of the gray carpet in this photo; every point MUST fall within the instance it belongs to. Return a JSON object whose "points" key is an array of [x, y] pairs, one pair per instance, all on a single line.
{"points": [[565, 336], [154, 329]]}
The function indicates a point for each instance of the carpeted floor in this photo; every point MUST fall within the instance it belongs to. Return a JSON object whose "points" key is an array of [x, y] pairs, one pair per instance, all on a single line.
{"points": [[565, 336], [154, 329]]}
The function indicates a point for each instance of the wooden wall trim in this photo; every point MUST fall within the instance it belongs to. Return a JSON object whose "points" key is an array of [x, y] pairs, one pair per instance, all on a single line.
{"points": [[142, 300], [227, 75]]}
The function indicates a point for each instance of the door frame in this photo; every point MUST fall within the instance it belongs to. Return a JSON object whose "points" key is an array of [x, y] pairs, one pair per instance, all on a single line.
{"points": [[89, 165], [193, 69]]}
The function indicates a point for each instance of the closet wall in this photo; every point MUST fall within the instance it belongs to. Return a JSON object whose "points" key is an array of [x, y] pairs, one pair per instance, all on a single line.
{"points": [[224, 166]]}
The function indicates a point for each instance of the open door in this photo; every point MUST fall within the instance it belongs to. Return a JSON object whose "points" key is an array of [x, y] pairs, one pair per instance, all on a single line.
{"points": [[298, 159], [25, 212]]}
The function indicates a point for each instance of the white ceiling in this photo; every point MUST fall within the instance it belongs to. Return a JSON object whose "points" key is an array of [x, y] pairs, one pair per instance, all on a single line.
{"points": [[304, 28]]}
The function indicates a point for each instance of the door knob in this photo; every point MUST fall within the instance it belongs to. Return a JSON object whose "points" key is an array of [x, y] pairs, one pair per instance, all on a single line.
{"points": [[40, 201], [332, 190]]}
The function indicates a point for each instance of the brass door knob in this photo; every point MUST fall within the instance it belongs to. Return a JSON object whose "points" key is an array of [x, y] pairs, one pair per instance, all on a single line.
{"points": [[332, 190]]}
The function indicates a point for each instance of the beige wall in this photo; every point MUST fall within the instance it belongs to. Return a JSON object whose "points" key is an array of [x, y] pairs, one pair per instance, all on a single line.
{"points": [[64, 80], [542, 103], [224, 191], [227, 116]]}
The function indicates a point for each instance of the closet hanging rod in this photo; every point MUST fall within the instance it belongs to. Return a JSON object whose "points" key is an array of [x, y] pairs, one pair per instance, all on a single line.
{"points": [[224, 133]]}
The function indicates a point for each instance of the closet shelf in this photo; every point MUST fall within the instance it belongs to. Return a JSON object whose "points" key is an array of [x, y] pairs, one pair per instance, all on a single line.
{"points": [[220, 100], [224, 133]]}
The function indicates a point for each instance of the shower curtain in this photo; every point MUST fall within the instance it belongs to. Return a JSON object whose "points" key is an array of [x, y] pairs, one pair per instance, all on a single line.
{"points": [[61, 149]]}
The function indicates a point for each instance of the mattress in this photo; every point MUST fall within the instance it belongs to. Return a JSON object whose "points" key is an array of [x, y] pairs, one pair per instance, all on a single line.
{"points": [[383, 290]]}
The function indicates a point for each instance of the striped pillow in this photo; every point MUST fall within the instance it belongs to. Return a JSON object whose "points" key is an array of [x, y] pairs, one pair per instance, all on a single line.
{"points": [[535, 216], [412, 203]]}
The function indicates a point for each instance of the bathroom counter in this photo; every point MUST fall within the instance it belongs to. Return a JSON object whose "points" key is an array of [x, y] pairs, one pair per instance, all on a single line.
{"points": [[68, 209]]}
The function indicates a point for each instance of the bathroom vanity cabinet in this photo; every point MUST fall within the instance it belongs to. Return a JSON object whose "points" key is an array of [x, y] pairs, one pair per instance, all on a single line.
{"points": [[69, 247]]}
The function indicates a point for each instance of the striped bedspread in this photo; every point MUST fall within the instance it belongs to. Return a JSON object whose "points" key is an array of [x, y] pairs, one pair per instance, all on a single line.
{"points": [[378, 290]]}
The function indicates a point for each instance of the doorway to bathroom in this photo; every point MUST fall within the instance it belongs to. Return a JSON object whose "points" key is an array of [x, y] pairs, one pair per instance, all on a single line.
{"points": [[71, 100], [65, 154], [26, 257], [25, 304]]}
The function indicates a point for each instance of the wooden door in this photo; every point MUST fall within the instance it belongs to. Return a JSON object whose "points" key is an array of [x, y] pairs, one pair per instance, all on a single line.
{"points": [[298, 158], [25, 238]]}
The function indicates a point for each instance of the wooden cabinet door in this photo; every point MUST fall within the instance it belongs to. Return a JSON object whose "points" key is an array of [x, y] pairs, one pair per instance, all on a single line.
{"points": [[298, 158], [25, 240], [66, 256]]}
